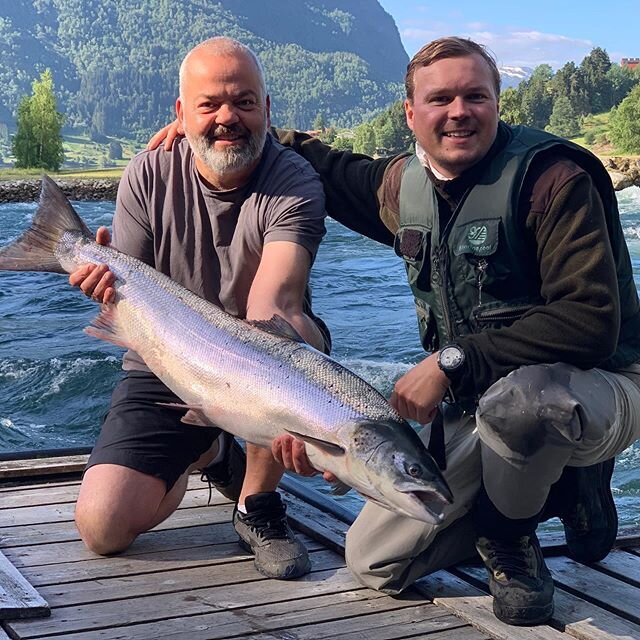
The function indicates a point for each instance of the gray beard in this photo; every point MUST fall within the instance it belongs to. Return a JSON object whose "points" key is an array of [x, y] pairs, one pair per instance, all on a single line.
{"points": [[232, 159]]}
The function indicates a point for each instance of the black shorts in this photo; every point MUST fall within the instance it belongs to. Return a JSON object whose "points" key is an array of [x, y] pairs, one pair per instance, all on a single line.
{"points": [[139, 433]]}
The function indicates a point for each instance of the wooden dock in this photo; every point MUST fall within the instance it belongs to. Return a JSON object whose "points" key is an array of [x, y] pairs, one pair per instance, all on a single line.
{"points": [[188, 579]]}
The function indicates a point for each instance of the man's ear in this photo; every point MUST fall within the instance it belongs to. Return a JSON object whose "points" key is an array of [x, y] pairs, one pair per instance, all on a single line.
{"points": [[408, 111], [179, 110]]}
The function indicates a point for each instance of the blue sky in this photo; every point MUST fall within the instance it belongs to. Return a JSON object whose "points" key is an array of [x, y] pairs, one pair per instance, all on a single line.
{"points": [[524, 33]]}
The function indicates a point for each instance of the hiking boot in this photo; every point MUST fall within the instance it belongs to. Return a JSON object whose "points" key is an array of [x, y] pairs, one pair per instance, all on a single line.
{"points": [[519, 580], [227, 474], [264, 531], [590, 518]]}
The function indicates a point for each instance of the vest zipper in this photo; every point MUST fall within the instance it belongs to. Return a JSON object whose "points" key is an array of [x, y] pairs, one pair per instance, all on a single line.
{"points": [[441, 267], [481, 270]]}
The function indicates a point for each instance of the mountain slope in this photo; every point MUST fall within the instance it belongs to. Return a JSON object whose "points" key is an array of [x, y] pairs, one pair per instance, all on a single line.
{"points": [[115, 64]]}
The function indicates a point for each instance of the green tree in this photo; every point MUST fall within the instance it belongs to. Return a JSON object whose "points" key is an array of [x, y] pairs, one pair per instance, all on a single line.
{"points": [[624, 123], [38, 142], [563, 120], [318, 123], [364, 140], [342, 143], [595, 67], [537, 97], [621, 81], [511, 106]]}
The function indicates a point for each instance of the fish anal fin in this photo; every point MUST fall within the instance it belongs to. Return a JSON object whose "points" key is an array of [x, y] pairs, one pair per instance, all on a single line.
{"points": [[277, 326], [105, 327], [195, 416], [328, 447]]}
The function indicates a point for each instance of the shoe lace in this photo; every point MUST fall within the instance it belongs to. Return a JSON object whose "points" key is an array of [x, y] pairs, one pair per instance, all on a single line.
{"points": [[269, 524], [511, 557]]}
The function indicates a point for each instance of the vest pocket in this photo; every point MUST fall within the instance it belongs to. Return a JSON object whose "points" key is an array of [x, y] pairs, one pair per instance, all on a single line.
{"points": [[413, 245], [496, 315]]}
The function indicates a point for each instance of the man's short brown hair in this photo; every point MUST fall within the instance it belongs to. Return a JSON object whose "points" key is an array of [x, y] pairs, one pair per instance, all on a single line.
{"points": [[449, 47]]}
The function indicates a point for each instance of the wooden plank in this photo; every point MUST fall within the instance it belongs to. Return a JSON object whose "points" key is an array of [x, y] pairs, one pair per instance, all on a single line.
{"points": [[243, 622], [3, 634], [597, 587], [35, 497], [158, 582], [153, 608], [384, 625], [579, 618], [42, 466], [18, 599], [623, 565], [47, 514], [316, 524], [476, 607], [98, 568]]}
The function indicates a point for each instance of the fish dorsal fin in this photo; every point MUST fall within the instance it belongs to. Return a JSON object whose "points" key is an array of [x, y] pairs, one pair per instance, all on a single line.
{"points": [[328, 447], [278, 326]]}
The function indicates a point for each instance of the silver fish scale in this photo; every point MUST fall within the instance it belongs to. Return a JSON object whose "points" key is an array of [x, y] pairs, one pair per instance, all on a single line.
{"points": [[331, 391]]}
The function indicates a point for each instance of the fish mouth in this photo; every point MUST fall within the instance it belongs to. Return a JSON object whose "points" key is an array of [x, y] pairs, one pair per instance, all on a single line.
{"points": [[425, 504]]}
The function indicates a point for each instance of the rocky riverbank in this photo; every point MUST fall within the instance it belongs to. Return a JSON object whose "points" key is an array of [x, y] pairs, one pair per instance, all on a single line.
{"points": [[624, 172], [28, 190]]}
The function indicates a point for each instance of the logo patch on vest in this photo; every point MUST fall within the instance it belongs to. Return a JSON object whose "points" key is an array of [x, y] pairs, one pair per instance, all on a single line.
{"points": [[479, 238]]}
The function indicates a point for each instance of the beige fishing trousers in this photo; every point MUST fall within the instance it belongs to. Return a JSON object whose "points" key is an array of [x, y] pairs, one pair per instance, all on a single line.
{"points": [[528, 427]]}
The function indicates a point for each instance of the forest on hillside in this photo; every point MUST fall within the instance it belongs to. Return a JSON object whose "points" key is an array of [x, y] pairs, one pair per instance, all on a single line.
{"points": [[115, 64]]}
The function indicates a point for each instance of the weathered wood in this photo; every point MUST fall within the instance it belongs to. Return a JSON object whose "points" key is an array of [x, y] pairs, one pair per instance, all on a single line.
{"points": [[98, 568], [384, 625], [31, 468], [158, 582], [195, 601], [18, 599], [476, 607], [579, 618], [622, 564], [597, 587]]}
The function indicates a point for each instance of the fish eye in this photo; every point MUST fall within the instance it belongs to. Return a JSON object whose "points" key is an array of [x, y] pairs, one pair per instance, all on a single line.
{"points": [[414, 470]]}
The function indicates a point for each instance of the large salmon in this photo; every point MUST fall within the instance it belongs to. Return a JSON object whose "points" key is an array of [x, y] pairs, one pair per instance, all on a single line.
{"points": [[256, 380]]}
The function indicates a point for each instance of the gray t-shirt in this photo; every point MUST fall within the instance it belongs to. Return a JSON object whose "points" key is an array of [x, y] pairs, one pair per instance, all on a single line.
{"points": [[211, 241]]}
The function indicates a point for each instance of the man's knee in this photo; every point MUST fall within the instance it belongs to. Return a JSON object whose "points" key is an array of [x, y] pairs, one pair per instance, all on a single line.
{"points": [[115, 505], [531, 405], [99, 531]]}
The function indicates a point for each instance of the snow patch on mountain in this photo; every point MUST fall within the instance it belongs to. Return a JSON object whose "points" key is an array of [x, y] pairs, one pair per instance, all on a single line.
{"points": [[512, 76]]}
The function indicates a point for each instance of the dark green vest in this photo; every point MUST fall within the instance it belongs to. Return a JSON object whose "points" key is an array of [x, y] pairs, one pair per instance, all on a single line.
{"points": [[480, 271]]}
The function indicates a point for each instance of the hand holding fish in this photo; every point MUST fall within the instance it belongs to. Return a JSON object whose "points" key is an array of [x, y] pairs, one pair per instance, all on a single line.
{"points": [[418, 392], [291, 453], [95, 280]]}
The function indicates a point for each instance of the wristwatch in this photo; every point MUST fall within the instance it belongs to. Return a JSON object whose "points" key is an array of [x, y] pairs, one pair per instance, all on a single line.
{"points": [[451, 361]]}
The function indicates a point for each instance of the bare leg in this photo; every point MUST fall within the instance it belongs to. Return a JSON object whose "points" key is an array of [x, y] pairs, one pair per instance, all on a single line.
{"points": [[117, 503], [263, 472]]}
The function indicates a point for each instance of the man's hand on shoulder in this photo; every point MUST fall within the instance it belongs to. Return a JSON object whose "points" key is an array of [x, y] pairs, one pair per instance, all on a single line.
{"points": [[168, 133]]}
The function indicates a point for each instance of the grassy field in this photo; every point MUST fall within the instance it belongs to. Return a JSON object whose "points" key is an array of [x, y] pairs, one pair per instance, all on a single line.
{"points": [[83, 158]]}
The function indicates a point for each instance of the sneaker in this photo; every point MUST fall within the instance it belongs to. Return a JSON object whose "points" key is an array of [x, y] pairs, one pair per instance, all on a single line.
{"points": [[264, 531], [227, 474], [519, 580], [590, 518]]}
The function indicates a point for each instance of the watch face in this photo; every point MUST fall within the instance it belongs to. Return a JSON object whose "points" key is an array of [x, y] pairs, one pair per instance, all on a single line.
{"points": [[451, 358]]}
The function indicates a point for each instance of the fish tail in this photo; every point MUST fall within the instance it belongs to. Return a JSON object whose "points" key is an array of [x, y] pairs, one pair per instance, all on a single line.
{"points": [[35, 249]]}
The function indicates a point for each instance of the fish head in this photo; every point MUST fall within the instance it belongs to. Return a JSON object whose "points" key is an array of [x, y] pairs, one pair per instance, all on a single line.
{"points": [[391, 466]]}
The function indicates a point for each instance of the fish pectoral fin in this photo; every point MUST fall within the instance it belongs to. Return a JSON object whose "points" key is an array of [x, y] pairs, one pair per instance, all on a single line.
{"points": [[328, 447], [277, 326], [339, 488], [105, 327], [195, 416]]}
